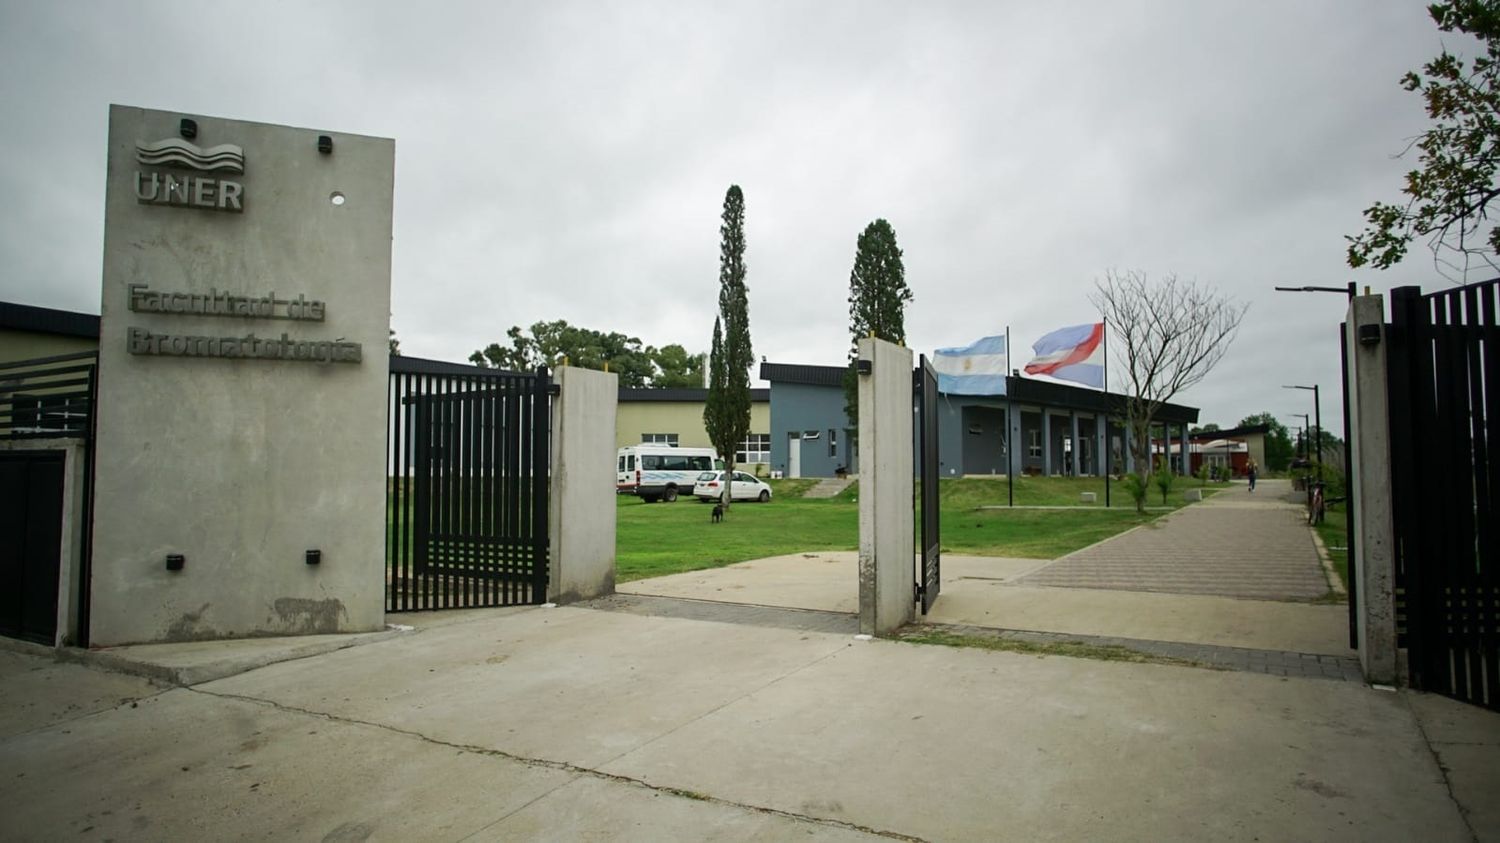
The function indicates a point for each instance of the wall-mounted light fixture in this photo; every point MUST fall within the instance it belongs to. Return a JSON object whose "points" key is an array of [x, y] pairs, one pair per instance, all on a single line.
{"points": [[175, 561], [325, 144], [1369, 335], [314, 556], [864, 367], [188, 128]]}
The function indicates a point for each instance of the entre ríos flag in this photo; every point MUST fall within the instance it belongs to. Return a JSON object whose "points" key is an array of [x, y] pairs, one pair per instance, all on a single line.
{"points": [[1071, 354]]}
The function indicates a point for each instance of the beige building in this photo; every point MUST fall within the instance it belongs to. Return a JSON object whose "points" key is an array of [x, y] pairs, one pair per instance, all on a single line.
{"points": [[28, 332], [672, 416], [675, 417]]}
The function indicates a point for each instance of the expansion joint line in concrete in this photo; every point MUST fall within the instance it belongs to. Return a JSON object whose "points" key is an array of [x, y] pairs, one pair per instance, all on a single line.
{"points": [[573, 769], [124, 703], [1437, 761]]}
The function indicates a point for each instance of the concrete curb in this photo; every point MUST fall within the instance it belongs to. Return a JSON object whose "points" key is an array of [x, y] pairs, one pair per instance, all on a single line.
{"points": [[1335, 584], [139, 661]]}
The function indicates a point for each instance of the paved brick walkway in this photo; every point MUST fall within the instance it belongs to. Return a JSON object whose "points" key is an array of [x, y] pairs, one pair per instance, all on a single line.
{"points": [[1236, 544]]}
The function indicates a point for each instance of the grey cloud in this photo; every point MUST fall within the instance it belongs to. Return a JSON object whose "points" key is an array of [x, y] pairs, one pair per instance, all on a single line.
{"points": [[569, 160]]}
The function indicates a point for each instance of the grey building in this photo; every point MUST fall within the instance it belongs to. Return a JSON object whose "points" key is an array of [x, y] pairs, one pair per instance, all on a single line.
{"points": [[810, 434], [1057, 428]]}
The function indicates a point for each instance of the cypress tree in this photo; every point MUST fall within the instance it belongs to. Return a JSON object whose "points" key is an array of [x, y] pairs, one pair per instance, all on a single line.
{"points": [[726, 413], [877, 301]]}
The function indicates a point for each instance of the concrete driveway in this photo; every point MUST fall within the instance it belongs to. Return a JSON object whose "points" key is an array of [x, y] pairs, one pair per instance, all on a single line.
{"points": [[572, 723], [993, 592]]}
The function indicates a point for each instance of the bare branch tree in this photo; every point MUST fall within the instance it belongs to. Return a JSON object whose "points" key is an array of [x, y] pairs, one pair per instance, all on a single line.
{"points": [[1169, 335]]}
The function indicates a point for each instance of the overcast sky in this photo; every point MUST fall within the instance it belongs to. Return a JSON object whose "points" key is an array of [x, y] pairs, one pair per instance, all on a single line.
{"points": [[569, 160]]}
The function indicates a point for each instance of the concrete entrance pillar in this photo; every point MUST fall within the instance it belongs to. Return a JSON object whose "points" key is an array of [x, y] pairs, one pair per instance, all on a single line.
{"points": [[1370, 487], [887, 548], [581, 517]]}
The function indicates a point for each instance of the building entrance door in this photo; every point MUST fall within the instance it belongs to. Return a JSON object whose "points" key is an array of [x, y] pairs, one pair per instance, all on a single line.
{"points": [[31, 484]]}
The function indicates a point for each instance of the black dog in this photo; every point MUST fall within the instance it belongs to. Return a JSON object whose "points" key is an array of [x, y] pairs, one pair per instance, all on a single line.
{"points": [[718, 513]]}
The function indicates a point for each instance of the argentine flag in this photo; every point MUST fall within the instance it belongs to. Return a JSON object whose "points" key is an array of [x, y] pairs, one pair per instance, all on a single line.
{"points": [[975, 369], [1072, 354]]}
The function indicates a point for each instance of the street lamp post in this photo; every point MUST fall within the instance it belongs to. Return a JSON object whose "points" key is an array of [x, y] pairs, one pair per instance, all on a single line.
{"points": [[1349, 492], [1304, 418], [1317, 424]]}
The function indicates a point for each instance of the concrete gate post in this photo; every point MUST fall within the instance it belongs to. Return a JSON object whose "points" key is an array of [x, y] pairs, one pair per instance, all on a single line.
{"points": [[1370, 485], [887, 546], [581, 509]]}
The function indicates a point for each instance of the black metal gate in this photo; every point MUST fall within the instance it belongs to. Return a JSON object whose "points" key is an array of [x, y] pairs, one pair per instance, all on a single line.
{"points": [[467, 486], [1444, 382], [929, 582]]}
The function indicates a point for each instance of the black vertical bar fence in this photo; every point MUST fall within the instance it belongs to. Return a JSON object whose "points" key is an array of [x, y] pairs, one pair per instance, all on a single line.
{"points": [[1443, 374], [1350, 555], [929, 580], [466, 522]]}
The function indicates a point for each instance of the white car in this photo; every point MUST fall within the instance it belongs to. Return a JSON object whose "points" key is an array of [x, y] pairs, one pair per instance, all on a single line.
{"points": [[710, 487]]}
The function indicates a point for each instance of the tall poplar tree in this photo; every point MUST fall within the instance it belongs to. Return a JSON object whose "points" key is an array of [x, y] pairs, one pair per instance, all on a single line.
{"points": [[877, 301], [726, 413]]}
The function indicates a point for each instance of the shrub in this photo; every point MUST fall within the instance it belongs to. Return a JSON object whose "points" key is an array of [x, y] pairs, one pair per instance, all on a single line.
{"points": [[1137, 488], [1163, 479]]}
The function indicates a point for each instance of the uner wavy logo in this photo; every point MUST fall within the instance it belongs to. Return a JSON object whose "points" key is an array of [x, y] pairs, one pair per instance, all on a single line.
{"points": [[205, 188], [176, 152]]}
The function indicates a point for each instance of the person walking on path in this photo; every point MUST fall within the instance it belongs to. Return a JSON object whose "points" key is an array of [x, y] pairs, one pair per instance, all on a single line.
{"points": [[1251, 469]]}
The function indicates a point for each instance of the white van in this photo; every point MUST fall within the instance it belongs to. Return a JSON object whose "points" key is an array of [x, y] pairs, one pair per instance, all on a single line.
{"points": [[660, 472]]}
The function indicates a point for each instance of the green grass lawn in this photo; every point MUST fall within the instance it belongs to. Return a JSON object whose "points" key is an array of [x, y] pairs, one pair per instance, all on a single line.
{"points": [[657, 539], [1332, 532], [1055, 491], [652, 539]]}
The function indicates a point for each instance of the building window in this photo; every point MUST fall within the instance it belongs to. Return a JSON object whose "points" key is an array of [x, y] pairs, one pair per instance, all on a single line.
{"points": [[1035, 449], [833, 443], [755, 448], [47, 413], [659, 439]]}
